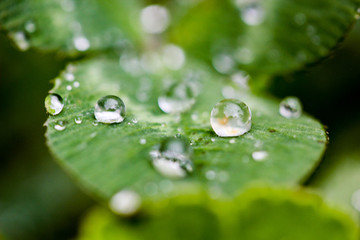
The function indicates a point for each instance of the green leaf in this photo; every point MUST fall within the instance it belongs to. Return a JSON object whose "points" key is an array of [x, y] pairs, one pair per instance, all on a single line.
{"points": [[292, 33], [107, 158], [70, 26], [257, 214]]}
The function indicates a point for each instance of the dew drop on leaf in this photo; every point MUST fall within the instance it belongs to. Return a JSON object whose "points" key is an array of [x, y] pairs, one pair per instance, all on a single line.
{"points": [[259, 156], [252, 13], [178, 98], [223, 63], [78, 120], [81, 43], [109, 109], [20, 39], [30, 26], [172, 158], [290, 107], [125, 202], [230, 118], [54, 103], [154, 19], [60, 126]]}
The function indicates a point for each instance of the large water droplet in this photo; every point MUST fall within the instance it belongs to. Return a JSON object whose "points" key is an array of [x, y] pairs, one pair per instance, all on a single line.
{"points": [[20, 40], [178, 98], [252, 14], [172, 158], [54, 103], [60, 126], [290, 107], [125, 202], [154, 19], [230, 118], [110, 109]]}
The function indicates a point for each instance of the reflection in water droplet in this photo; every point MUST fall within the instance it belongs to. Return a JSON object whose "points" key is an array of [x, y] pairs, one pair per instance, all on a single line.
{"points": [[259, 156], [172, 158], [173, 57], [154, 19], [30, 26], [60, 126], [125, 202], [81, 43], [20, 40], [110, 109], [252, 14], [78, 120], [178, 98], [290, 107], [54, 104], [223, 63], [230, 118]]}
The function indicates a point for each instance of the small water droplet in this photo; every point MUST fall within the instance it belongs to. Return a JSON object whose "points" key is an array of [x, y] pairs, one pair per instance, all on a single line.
{"points": [[154, 19], [95, 123], [142, 141], [232, 141], [125, 202], [178, 98], [259, 156], [241, 79], [210, 175], [134, 121], [172, 158], [252, 14], [78, 120], [81, 43], [300, 19], [173, 57], [244, 55], [110, 109], [54, 104], [290, 107], [30, 26], [194, 116], [213, 139], [76, 84], [68, 87], [223, 63], [60, 126], [67, 5], [20, 40], [69, 76], [230, 118]]}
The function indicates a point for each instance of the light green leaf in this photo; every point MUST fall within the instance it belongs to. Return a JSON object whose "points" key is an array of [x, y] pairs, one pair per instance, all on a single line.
{"points": [[291, 34], [108, 158], [257, 214], [70, 26]]}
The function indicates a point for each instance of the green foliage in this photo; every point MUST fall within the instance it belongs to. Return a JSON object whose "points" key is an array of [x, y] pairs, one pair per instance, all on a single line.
{"points": [[256, 214], [107, 158]]}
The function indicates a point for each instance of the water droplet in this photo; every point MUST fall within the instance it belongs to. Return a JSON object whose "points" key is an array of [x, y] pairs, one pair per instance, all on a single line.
{"points": [[60, 126], [110, 109], [232, 141], [173, 57], [172, 158], [252, 14], [69, 76], [68, 87], [355, 200], [178, 98], [134, 121], [54, 104], [259, 156], [20, 40], [230, 118], [30, 26], [213, 139], [223, 63], [142, 141], [76, 84], [290, 107], [81, 43], [241, 79], [244, 55], [154, 19], [210, 175], [78, 120], [125, 202], [95, 123], [300, 19]]}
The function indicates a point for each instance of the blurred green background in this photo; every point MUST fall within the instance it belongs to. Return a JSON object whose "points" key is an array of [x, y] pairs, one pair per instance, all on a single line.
{"points": [[39, 201]]}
